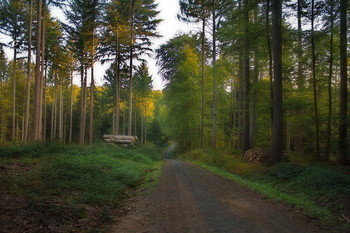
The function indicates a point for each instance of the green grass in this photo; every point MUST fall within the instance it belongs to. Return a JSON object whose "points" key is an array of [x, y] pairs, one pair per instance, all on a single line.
{"points": [[75, 181]]}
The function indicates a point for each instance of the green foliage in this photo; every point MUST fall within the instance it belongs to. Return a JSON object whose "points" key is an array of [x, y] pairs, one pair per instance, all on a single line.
{"points": [[32, 150], [284, 172]]}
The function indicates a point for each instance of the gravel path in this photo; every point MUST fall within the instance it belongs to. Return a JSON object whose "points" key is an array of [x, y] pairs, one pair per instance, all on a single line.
{"points": [[189, 199]]}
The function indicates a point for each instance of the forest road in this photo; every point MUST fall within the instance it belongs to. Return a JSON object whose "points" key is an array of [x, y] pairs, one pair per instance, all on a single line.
{"points": [[189, 199]]}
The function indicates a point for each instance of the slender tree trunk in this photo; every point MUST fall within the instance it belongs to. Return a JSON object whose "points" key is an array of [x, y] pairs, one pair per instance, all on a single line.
{"points": [[131, 66], [117, 91], [91, 127], [202, 79], [317, 155], [42, 70], [269, 50], [71, 109], [343, 117], [27, 103], [277, 127], [142, 126], [254, 104], [14, 84], [330, 74], [44, 105], [214, 77], [82, 104], [53, 111], [36, 113], [246, 79], [60, 118], [300, 80], [135, 118]]}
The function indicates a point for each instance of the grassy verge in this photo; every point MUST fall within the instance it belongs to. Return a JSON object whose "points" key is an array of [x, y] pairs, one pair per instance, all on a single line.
{"points": [[319, 191], [72, 188]]}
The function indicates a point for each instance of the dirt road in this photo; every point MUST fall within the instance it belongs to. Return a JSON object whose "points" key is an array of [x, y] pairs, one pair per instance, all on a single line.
{"points": [[191, 199]]}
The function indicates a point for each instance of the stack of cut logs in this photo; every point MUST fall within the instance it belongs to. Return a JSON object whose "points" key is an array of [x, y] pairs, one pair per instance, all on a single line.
{"points": [[119, 139], [257, 155]]}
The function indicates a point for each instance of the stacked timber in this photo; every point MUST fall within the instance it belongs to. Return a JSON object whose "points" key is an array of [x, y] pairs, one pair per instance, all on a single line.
{"points": [[257, 155], [119, 139]]}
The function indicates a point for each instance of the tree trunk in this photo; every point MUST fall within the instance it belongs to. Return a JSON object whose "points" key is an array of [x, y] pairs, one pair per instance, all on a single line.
{"points": [[44, 104], [14, 83], [27, 102], [202, 80], [317, 155], [254, 104], [71, 109], [214, 76], [117, 91], [60, 118], [268, 39], [131, 66], [92, 85], [36, 113], [42, 70], [343, 125], [330, 74], [277, 127], [300, 80], [246, 79], [82, 101]]}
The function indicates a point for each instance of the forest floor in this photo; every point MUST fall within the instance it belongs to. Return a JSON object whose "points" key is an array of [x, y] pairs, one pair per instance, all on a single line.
{"points": [[191, 199]]}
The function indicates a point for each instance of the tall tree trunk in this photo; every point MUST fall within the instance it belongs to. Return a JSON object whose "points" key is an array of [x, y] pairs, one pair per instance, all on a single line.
{"points": [[117, 90], [82, 103], [277, 127], [317, 155], [300, 80], [14, 84], [44, 104], [330, 75], [246, 79], [202, 79], [214, 76], [53, 111], [92, 87], [27, 102], [71, 109], [254, 102], [343, 125], [42, 81], [131, 65], [268, 39], [60, 118], [36, 113]]}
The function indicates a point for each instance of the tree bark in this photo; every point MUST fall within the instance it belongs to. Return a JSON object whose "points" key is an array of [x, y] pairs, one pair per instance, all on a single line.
{"points": [[330, 75], [131, 66], [269, 50], [343, 125], [214, 77], [14, 84], [202, 79], [36, 113], [277, 127], [246, 79], [27, 103], [71, 109], [314, 82], [92, 85]]}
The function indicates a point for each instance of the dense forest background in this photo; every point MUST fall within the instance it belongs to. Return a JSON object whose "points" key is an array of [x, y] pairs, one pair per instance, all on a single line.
{"points": [[270, 74]]}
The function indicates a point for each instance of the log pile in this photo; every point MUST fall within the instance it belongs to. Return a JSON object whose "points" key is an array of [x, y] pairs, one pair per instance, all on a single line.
{"points": [[119, 139], [257, 155]]}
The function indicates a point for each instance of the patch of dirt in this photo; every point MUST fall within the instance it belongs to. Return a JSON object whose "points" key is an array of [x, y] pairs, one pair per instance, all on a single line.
{"points": [[191, 199]]}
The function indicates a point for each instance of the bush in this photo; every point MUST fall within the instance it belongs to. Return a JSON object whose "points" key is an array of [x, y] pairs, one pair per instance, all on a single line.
{"points": [[284, 172]]}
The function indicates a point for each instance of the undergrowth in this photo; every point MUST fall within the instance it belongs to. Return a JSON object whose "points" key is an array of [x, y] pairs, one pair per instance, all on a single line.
{"points": [[321, 191], [73, 181]]}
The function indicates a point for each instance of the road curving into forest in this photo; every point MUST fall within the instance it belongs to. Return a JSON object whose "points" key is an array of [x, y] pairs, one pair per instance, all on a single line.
{"points": [[189, 199]]}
